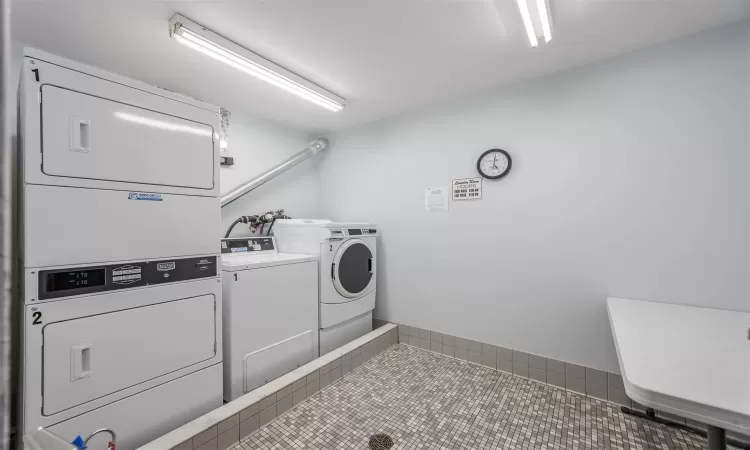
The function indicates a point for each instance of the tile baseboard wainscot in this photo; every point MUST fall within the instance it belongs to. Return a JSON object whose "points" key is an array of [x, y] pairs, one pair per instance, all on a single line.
{"points": [[225, 426], [588, 381]]}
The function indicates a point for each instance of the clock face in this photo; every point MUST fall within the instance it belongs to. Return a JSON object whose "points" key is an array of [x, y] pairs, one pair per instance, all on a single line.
{"points": [[494, 164]]}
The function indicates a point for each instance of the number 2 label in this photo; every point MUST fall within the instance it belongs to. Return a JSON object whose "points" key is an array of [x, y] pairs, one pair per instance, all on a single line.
{"points": [[37, 315]]}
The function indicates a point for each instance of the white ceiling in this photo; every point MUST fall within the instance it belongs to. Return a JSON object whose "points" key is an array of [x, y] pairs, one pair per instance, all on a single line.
{"points": [[383, 56]]}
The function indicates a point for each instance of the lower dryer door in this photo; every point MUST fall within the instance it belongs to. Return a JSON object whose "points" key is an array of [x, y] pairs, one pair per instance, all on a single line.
{"points": [[90, 357]]}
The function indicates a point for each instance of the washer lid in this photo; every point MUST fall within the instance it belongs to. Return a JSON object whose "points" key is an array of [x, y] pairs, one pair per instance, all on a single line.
{"points": [[244, 261], [353, 268]]}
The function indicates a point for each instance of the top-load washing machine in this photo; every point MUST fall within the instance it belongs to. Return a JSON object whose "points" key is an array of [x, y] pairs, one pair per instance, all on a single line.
{"points": [[347, 273], [270, 312]]}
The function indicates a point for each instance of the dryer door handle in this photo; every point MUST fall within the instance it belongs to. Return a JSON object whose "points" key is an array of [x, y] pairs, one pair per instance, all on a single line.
{"points": [[333, 271], [369, 265]]}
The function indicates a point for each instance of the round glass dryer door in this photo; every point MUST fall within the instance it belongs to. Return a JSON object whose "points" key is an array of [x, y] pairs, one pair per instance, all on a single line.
{"points": [[353, 268]]}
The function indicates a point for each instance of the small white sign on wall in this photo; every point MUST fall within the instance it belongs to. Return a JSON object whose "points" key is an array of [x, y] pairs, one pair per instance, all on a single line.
{"points": [[436, 199], [467, 189]]}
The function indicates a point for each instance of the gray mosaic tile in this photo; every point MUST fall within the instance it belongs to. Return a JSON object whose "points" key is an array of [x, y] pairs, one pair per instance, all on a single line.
{"points": [[424, 400]]}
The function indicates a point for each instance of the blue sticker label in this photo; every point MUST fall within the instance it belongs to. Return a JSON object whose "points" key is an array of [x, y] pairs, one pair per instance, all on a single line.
{"points": [[144, 196]]}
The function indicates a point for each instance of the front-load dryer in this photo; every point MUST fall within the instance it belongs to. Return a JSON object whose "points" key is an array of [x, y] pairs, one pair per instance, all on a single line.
{"points": [[270, 314], [347, 275]]}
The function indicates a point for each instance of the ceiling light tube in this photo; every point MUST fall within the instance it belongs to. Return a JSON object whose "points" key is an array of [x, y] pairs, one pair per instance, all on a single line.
{"points": [[542, 8], [205, 41], [523, 6]]}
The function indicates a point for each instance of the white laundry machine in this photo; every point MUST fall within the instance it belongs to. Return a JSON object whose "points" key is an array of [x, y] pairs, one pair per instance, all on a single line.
{"points": [[347, 273], [270, 319], [119, 214]]}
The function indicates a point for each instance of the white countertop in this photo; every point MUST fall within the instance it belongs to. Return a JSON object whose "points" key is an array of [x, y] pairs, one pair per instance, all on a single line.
{"points": [[689, 361]]}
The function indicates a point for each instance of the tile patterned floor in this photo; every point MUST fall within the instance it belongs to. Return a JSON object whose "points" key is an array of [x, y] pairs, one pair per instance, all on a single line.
{"points": [[427, 401]]}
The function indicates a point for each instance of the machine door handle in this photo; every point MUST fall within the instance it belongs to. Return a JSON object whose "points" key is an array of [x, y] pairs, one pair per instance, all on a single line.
{"points": [[80, 362], [369, 265], [333, 269], [80, 135]]}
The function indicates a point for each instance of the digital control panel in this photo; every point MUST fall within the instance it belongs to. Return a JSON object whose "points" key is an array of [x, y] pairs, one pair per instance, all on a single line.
{"points": [[75, 279], [361, 231], [246, 245], [85, 280]]}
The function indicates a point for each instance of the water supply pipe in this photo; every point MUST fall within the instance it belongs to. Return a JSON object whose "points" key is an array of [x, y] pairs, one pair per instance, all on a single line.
{"points": [[312, 149]]}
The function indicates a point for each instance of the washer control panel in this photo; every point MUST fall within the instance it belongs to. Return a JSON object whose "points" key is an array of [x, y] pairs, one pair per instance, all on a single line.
{"points": [[85, 280], [248, 245], [361, 231]]}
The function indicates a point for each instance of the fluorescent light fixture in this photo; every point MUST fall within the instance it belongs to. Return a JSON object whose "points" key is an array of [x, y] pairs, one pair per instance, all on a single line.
{"points": [[205, 41], [540, 9], [543, 10], [523, 6]]}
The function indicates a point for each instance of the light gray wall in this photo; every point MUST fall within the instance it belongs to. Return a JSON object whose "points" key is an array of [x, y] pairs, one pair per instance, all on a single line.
{"points": [[630, 178], [258, 145]]}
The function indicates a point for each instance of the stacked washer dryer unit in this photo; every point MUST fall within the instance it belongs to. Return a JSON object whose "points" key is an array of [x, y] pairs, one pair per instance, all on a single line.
{"points": [[347, 273], [119, 223]]}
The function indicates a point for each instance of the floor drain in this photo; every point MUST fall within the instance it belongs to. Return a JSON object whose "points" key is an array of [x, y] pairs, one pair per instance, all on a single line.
{"points": [[381, 442]]}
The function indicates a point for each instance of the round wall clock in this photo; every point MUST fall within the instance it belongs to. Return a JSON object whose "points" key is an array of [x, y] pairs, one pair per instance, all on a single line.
{"points": [[494, 164]]}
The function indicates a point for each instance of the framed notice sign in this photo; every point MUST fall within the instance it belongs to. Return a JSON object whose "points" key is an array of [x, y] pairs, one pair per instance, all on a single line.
{"points": [[467, 189]]}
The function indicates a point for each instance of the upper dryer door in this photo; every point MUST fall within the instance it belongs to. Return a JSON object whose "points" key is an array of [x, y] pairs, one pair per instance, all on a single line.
{"points": [[85, 136], [107, 132], [353, 269]]}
